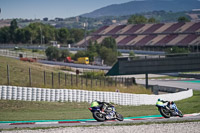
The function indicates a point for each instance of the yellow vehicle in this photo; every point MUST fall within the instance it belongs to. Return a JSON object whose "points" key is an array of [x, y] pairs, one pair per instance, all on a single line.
{"points": [[82, 60]]}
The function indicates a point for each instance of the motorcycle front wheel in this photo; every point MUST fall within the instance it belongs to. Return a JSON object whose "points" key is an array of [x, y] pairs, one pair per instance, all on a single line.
{"points": [[180, 114], [164, 112], [119, 117], [98, 116]]}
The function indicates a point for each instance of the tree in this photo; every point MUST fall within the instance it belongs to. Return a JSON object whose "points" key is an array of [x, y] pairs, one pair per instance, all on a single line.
{"points": [[91, 51], [175, 50], [4, 35], [79, 54], [27, 35], [137, 19], [91, 47], [183, 19], [64, 53], [12, 30], [109, 42], [48, 33], [13, 25], [131, 55], [20, 36], [63, 35], [76, 34], [152, 20], [108, 55], [35, 30], [52, 53]]}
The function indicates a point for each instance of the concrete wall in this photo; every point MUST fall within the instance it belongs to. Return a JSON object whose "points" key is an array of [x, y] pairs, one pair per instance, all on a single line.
{"points": [[62, 95]]}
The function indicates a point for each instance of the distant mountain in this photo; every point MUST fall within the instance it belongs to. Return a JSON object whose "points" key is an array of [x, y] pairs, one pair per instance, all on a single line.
{"points": [[140, 6]]}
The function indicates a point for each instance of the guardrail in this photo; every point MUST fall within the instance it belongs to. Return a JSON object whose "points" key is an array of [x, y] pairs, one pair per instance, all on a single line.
{"points": [[62, 95], [156, 89], [5, 52]]}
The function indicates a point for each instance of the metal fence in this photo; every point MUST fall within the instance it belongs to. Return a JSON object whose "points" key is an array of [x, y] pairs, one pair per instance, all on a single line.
{"points": [[16, 53], [30, 77]]}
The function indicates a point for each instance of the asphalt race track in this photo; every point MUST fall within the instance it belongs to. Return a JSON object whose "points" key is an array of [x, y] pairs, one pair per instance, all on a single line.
{"points": [[191, 84], [59, 123]]}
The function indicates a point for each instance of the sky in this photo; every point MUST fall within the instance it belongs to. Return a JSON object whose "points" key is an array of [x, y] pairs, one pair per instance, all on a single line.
{"points": [[39, 9]]}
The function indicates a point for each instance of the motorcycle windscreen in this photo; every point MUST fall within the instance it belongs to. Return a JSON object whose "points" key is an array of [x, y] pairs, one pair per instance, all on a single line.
{"points": [[94, 104], [159, 103]]}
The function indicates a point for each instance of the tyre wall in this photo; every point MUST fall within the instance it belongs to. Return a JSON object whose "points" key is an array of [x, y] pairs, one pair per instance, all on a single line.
{"points": [[71, 95]]}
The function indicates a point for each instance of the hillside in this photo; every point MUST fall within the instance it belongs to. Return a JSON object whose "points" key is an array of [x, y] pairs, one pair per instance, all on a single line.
{"points": [[145, 6], [19, 76]]}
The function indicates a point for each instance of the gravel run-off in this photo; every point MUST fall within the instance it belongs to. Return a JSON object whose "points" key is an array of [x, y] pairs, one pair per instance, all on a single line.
{"points": [[189, 127]]}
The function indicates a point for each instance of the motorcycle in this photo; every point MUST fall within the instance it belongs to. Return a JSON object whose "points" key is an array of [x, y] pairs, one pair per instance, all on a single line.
{"points": [[108, 112], [168, 110]]}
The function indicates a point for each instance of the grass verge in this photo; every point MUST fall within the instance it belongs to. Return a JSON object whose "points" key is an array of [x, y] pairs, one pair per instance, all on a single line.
{"points": [[24, 110]]}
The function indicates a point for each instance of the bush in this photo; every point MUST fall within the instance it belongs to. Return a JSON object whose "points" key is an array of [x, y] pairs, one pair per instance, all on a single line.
{"points": [[176, 50], [52, 53], [17, 48], [96, 75], [35, 50]]}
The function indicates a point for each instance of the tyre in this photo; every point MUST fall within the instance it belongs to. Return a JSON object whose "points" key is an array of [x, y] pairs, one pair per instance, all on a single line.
{"points": [[119, 117], [180, 114], [164, 112], [98, 116]]}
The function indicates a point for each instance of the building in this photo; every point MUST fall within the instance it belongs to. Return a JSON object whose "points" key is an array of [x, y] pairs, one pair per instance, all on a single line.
{"points": [[149, 36]]}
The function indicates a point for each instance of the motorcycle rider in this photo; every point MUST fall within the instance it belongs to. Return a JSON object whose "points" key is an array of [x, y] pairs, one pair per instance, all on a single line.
{"points": [[170, 105], [102, 105]]}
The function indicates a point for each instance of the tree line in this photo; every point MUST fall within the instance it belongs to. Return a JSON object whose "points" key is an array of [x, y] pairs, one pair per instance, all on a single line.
{"points": [[38, 33], [107, 51], [140, 19]]}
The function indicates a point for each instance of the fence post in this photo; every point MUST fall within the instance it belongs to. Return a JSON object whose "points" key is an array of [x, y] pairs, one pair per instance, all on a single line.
{"points": [[71, 80], [8, 75], [115, 81], [108, 84], [81, 82], [86, 81], [59, 79], [105, 81], [65, 79], [30, 76], [76, 79], [91, 81], [44, 78], [100, 82], [52, 80]]}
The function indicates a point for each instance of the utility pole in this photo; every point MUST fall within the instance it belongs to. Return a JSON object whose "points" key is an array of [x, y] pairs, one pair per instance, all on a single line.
{"points": [[41, 34], [85, 26]]}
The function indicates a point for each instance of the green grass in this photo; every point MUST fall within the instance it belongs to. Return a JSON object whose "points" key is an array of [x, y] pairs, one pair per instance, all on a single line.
{"points": [[30, 51], [22, 110], [19, 76]]}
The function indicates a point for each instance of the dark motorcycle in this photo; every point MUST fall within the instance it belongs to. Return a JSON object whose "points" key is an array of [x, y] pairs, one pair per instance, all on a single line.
{"points": [[169, 109], [107, 112]]}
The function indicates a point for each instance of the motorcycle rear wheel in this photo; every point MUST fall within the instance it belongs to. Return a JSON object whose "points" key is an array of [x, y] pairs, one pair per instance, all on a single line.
{"points": [[164, 112], [99, 116], [119, 117]]}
